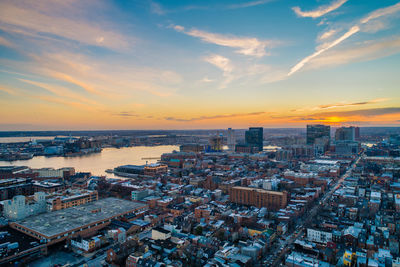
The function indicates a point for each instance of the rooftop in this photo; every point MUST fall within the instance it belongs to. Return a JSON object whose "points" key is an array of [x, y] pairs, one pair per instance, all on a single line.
{"points": [[46, 184], [58, 222], [129, 166], [257, 189]]}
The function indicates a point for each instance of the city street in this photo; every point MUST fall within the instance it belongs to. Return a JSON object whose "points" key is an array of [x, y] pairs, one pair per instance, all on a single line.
{"points": [[313, 212]]}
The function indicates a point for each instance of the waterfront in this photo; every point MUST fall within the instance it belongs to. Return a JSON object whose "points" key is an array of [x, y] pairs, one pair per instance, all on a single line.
{"points": [[97, 163], [24, 139]]}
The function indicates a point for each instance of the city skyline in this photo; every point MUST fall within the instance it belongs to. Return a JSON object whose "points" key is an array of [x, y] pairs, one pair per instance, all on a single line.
{"points": [[96, 65]]}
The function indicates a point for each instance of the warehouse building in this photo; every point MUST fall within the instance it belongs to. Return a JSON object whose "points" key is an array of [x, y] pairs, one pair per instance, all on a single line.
{"points": [[84, 220]]}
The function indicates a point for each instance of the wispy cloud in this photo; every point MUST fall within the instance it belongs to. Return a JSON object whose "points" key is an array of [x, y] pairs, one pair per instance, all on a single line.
{"points": [[207, 80], [158, 9], [45, 20], [97, 79], [221, 62], [245, 45], [248, 4], [343, 104], [327, 34], [320, 11], [5, 42], [224, 64], [228, 116], [63, 92], [62, 101], [301, 64], [7, 90], [352, 104], [125, 114], [381, 12], [361, 112], [361, 52], [353, 30]]}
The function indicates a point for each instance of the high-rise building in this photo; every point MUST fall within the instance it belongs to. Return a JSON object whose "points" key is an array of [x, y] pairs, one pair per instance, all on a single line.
{"points": [[357, 133], [346, 133], [215, 143], [231, 139], [315, 131], [254, 137], [346, 141]]}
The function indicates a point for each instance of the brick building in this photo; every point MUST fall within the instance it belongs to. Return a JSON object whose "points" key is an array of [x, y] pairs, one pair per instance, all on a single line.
{"points": [[155, 169], [272, 200], [71, 198], [15, 186]]}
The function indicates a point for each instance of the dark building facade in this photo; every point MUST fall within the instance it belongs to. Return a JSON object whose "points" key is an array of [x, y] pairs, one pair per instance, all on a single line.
{"points": [[15, 186], [254, 137], [347, 134], [316, 131]]}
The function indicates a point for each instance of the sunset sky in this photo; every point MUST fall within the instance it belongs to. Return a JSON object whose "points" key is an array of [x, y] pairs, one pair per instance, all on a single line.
{"points": [[86, 65]]}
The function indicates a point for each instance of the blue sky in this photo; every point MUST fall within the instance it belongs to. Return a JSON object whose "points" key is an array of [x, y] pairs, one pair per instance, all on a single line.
{"points": [[198, 64]]}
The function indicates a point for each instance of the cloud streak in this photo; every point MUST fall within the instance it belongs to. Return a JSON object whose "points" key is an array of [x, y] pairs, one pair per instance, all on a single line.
{"points": [[228, 116], [62, 92], [5, 42], [301, 64], [248, 4], [223, 64], [361, 112], [352, 104], [125, 114], [362, 52], [243, 45], [158, 9], [100, 80], [46, 21], [342, 104], [327, 34], [381, 12], [353, 30], [319, 12], [7, 90]]}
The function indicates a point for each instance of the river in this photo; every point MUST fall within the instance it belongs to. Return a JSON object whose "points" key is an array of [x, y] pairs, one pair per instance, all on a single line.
{"points": [[97, 163]]}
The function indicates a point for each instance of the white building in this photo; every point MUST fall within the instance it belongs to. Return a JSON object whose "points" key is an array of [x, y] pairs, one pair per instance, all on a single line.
{"points": [[231, 139], [17, 208], [318, 236], [375, 195], [52, 173], [270, 184], [159, 233], [86, 244]]}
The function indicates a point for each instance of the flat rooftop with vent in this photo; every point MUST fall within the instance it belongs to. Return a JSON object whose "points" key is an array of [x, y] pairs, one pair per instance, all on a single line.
{"points": [[53, 227]]}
